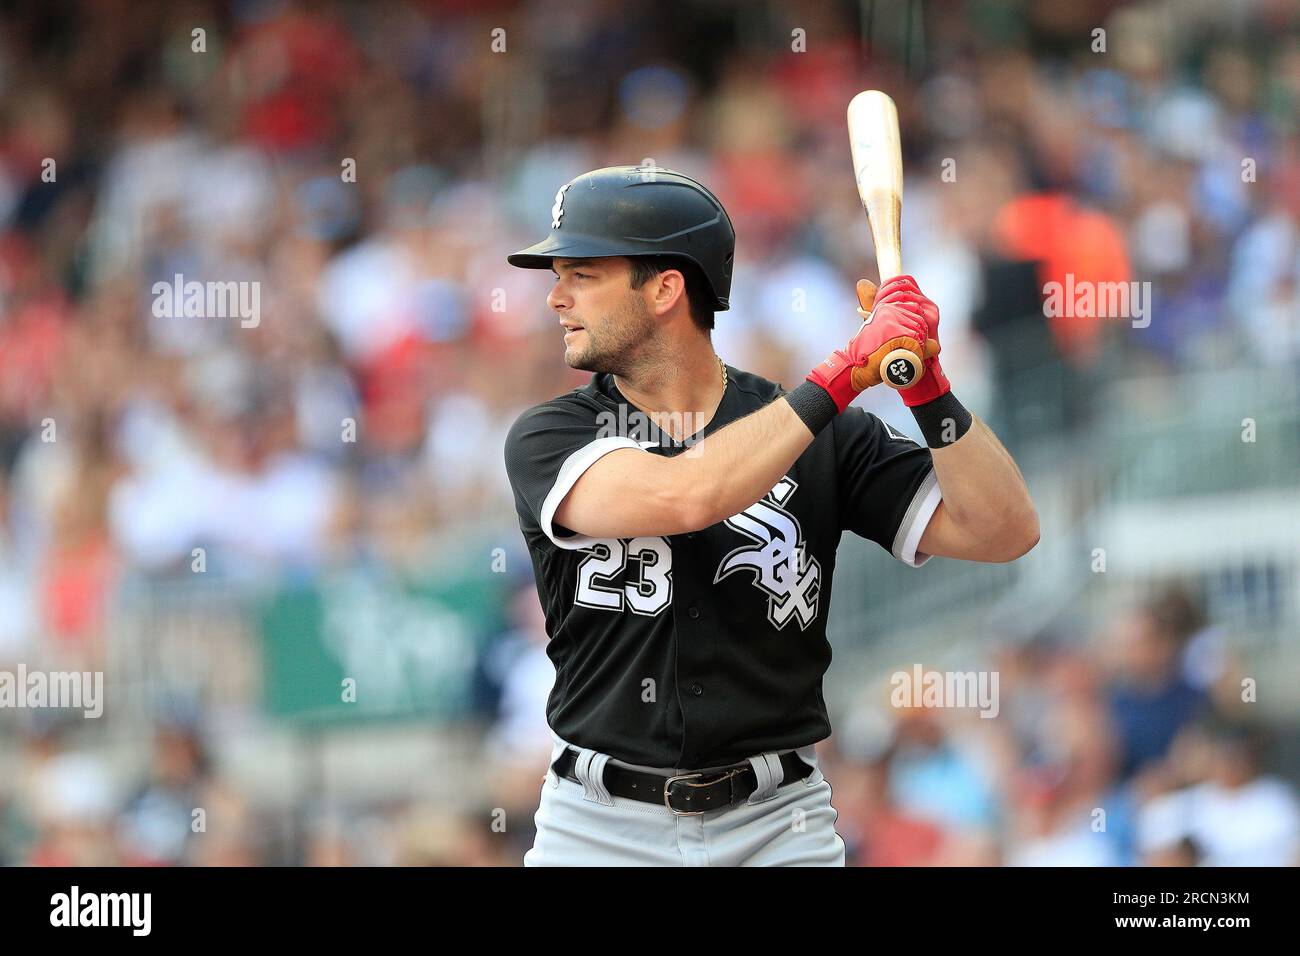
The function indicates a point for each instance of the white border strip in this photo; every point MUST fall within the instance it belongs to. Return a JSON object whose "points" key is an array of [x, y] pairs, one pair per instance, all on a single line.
{"points": [[916, 520], [570, 472]]}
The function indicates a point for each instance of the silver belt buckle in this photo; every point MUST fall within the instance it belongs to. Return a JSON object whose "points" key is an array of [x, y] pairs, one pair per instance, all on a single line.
{"points": [[721, 775], [668, 785]]}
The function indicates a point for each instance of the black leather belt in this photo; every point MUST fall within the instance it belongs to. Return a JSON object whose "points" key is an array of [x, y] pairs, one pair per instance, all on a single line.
{"points": [[686, 794]]}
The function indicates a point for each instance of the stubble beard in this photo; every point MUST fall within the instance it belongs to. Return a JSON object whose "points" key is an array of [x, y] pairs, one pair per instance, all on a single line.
{"points": [[620, 347]]}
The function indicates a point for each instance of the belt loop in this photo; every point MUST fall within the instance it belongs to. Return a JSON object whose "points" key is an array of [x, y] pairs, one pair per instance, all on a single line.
{"points": [[590, 768], [769, 774], [559, 747]]}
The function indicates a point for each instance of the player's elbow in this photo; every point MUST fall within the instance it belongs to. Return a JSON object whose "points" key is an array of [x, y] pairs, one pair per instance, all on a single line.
{"points": [[1019, 535], [1025, 544]]}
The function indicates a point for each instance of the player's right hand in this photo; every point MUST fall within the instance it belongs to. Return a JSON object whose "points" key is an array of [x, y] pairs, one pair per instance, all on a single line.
{"points": [[887, 324]]}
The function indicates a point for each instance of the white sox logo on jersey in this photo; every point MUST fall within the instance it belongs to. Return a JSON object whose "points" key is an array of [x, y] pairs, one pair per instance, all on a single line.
{"points": [[782, 568]]}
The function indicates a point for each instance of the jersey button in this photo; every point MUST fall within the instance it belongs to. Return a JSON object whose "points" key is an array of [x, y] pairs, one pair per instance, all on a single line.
{"points": [[697, 690], [693, 613]]}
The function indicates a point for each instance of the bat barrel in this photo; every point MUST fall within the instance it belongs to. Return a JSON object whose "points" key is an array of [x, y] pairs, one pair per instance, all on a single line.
{"points": [[878, 171]]}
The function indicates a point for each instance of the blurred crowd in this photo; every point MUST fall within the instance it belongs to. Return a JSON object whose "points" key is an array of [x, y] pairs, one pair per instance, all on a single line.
{"points": [[370, 166], [1137, 746]]}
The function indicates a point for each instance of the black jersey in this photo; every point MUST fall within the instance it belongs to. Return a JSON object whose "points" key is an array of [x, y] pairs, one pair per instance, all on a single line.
{"points": [[701, 649]]}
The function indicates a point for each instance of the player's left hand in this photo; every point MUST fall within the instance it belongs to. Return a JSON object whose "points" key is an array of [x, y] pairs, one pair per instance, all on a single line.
{"points": [[903, 292]]}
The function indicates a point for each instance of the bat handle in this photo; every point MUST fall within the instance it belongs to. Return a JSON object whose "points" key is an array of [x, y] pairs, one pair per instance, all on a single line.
{"points": [[901, 368], [889, 263]]}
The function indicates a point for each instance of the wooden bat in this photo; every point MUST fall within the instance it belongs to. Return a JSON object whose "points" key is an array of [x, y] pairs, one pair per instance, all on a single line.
{"points": [[878, 170]]}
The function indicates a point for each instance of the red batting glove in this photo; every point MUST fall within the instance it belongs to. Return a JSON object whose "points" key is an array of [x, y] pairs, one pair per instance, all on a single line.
{"points": [[887, 326], [903, 292]]}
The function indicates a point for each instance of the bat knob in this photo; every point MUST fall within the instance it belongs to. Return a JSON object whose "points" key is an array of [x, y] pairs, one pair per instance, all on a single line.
{"points": [[901, 368]]}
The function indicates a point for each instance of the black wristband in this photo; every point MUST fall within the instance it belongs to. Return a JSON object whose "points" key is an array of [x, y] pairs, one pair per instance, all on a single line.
{"points": [[813, 404], [943, 420]]}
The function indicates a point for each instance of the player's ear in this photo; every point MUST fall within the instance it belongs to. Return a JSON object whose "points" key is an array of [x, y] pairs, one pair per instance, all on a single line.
{"points": [[666, 284]]}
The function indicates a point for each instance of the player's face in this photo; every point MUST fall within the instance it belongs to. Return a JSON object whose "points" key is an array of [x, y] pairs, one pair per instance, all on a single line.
{"points": [[605, 320]]}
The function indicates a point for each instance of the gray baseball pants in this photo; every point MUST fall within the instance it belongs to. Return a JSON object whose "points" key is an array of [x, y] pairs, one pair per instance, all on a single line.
{"points": [[781, 824]]}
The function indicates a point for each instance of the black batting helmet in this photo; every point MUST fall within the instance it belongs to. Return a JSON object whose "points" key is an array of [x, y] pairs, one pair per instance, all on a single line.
{"points": [[638, 211]]}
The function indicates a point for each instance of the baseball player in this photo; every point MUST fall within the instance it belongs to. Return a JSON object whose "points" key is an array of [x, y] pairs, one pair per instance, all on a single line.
{"points": [[683, 516]]}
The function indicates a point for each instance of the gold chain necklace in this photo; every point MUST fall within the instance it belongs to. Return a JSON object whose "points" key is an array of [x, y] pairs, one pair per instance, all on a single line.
{"points": [[654, 416]]}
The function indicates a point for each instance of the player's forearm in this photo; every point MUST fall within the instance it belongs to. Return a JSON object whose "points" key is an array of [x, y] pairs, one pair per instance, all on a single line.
{"points": [[985, 495], [736, 465]]}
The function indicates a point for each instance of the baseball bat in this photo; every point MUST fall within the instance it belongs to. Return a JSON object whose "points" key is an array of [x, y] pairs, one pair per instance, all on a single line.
{"points": [[878, 170]]}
